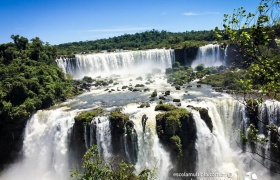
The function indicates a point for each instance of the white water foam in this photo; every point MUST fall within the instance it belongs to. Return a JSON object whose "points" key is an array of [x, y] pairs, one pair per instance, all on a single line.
{"points": [[45, 147]]}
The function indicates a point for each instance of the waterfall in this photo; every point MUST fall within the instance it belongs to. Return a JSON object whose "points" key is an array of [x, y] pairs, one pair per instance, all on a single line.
{"points": [[269, 113], [117, 62], [131, 144], [151, 153], [103, 137], [213, 147], [45, 147], [209, 55]]}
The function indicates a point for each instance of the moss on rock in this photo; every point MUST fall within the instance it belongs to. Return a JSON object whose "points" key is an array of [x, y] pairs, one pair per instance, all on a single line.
{"points": [[87, 116], [117, 121], [176, 144], [164, 107]]}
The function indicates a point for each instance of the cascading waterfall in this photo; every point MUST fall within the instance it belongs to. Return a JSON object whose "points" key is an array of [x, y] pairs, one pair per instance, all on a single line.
{"points": [[268, 115], [151, 153], [98, 132], [103, 137], [45, 147], [116, 62], [213, 147], [209, 55], [131, 144]]}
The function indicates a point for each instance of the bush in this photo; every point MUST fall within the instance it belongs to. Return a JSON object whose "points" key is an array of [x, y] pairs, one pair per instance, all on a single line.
{"points": [[164, 107], [95, 167], [154, 94], [87, 116]]}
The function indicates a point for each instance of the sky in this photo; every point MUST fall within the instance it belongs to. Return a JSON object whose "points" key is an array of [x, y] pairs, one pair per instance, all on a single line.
{"points": [[62, 21]]}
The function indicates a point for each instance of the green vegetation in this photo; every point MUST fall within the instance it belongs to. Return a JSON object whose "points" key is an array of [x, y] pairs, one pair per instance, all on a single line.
{"points": [[95, 168], [174, 127], [145, 40], [144, 105], [30, 79], [164, 107], [173, 117], [225, 80], [177, 145], [139, 85], [179, 74], [117, 115], [87, 116], [154, 94], [118, 121], [253, 36], [184, 74], [176, 114]]}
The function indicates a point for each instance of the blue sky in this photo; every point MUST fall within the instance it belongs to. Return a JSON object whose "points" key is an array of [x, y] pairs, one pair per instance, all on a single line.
{"points": [[60, 21]]}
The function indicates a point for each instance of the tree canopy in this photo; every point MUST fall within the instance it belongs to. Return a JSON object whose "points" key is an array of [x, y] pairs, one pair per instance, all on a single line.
{"points": [[145, 40], [30, 78]]}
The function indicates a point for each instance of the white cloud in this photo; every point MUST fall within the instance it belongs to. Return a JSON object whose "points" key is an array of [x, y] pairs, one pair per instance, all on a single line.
{"points": [[200, 14], [190, 14]]}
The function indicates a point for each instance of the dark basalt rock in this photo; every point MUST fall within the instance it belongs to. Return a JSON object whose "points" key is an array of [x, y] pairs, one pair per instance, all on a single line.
{"points": [[205, 117], [177, 87], [167, 93], [119, 124], [11, 141], [177, 130], [176, 100], [147, 89], [131, 142], [162, 97]]}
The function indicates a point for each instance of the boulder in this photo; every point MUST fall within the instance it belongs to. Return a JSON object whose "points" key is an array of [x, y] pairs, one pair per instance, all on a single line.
{"points": [[176, 100], [205, 117], [167, 93]]}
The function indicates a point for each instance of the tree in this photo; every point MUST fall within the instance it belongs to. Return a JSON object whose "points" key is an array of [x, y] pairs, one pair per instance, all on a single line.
{"points": [[95, 168], [253, 36]]}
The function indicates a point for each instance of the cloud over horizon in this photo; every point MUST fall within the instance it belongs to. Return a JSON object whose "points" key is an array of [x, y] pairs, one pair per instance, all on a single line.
{"points": [[200, 14]]}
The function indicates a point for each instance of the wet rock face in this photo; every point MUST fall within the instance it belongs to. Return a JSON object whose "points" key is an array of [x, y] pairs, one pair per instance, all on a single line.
{"points": [[177, 130], [11, 141], [205, 117], [117, 122], [77, 146], [131, 141], [118, 126]]}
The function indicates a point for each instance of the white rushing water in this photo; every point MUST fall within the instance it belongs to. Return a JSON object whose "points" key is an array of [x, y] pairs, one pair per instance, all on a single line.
{"points": [[151, 153], [45, 147], [103, 137], [213, 148], [209, 55], [117, 62]]}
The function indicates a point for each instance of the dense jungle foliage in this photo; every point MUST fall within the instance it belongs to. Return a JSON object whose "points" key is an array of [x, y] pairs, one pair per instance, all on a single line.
{"points": [[30, 78], [145, 40]]}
